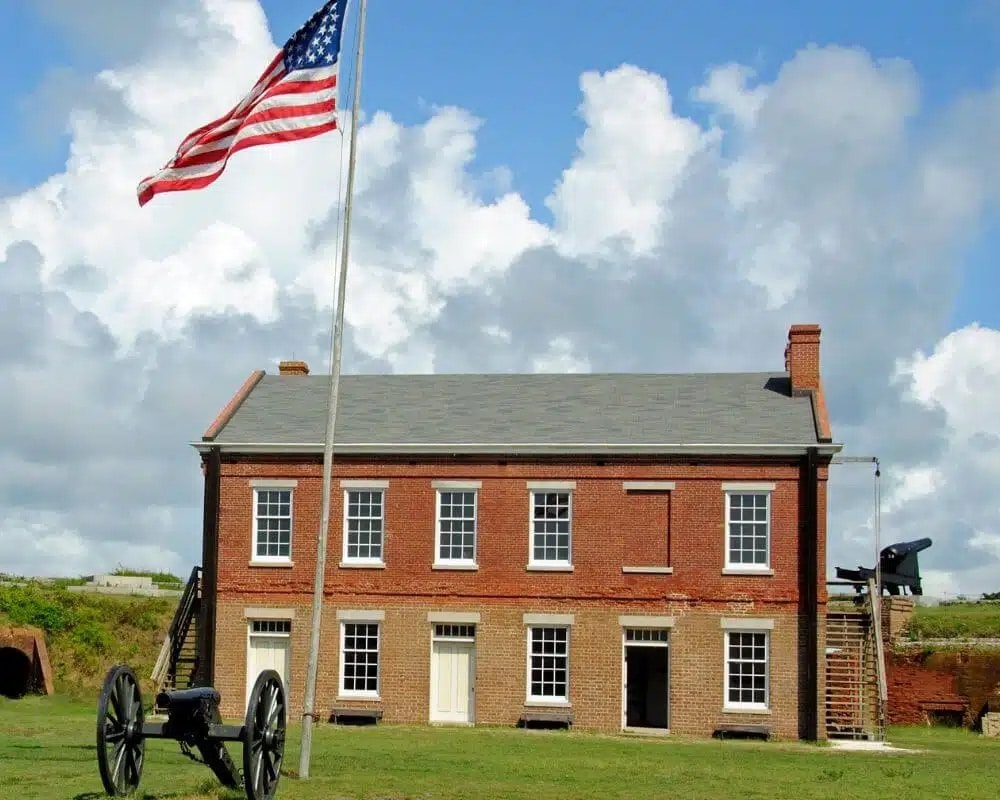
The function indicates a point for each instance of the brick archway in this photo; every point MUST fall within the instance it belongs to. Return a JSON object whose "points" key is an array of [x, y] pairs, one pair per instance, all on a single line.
{"points": [[24, 662]]}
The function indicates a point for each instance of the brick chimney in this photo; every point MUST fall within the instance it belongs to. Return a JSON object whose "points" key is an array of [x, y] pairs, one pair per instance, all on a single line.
{"points": [[802, 358], [293, 368]]}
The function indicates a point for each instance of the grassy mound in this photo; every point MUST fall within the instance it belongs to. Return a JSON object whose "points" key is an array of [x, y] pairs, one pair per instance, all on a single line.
{"points": [[956, 621], [86, 633]]}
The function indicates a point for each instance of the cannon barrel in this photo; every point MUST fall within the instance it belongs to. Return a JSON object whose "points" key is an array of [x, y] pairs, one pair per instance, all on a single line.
{"points": [[177, 699], [899, 567], [901, 549]]}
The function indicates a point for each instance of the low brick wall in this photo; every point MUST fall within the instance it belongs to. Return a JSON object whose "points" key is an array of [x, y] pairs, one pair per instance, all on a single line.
{"points": [[927, 684]]}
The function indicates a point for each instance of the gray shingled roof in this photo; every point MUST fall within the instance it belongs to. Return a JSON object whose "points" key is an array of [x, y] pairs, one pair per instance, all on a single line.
{"points": [[614, 409]]}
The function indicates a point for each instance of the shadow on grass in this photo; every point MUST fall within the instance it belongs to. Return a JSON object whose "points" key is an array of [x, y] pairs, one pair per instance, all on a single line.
{"points": [[146, 796], [204, 790]]}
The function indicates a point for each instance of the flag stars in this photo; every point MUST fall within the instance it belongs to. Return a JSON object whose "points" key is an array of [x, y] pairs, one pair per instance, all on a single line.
{"points": [[317, 43]]}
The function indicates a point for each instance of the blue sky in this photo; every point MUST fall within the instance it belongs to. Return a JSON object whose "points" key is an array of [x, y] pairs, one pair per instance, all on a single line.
{"points": [[516, 64]]}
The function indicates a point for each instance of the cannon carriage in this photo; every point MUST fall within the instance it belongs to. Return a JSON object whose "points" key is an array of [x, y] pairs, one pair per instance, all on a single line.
{"points": [[193, 720]]}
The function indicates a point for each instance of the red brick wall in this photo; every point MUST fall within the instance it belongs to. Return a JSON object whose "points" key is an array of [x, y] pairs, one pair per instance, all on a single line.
{"points": [[915, 676], [610, 529], [606, 523], [910, 683]]}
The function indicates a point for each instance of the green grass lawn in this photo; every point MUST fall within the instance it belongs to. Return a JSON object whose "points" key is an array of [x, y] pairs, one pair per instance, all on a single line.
{"points": [[46, 751]]}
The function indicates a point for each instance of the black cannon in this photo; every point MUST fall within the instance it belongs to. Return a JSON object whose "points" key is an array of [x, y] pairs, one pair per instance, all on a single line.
{"points": [[193, 720], [899, 567]]}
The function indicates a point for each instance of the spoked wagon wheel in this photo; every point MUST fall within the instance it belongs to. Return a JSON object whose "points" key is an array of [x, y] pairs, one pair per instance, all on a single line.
{"points": [[120, 744], [264, 737]]}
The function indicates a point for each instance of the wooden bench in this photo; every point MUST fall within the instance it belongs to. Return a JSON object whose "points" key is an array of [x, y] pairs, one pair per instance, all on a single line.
{"points": [[742, 730], [545, 719], [342, 715]]}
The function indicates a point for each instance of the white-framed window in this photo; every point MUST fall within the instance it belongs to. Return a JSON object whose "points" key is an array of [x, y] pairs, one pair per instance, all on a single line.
{"points": [[364, 525], [548, 664], [748, 528], [272, 524], [456, 527], [551, 527], [746, 670], [359, 659]]}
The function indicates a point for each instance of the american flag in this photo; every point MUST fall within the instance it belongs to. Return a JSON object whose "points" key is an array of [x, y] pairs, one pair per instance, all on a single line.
{"points": [[295, 98]]}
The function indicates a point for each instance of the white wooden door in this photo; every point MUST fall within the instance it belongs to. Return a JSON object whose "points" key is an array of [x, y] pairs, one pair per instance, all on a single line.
{"points": [[452, 681], [267, 652]]}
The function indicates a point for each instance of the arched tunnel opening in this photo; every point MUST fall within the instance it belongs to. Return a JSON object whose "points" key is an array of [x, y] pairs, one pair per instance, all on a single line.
{"points": [[15, 673]]}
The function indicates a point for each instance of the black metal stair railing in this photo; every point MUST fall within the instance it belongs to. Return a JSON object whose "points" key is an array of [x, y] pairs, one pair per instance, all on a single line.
{"points": [[171, 654]]}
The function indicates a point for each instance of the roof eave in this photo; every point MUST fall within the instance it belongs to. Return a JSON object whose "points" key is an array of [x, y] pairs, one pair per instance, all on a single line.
{"points": [[229, 411], [525, 448]]}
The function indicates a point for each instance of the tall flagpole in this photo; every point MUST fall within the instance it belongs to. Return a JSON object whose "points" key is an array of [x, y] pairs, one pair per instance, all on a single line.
{"points": [[336, 345]]}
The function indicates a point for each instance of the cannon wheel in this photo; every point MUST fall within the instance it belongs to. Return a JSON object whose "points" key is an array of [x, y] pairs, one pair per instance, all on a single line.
{"points": [[120, 743], [264, 737]]}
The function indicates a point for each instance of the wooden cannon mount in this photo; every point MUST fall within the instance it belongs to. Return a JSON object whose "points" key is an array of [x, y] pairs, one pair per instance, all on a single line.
{"points": [[193, 720]]}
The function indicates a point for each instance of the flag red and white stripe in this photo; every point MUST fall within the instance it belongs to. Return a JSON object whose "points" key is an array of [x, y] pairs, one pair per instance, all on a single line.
{"points": [[282, 106]]}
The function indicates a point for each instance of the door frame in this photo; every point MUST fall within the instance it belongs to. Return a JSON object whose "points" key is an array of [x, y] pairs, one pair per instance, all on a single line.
{"points": [[469, 641], [284, 635], [624, 666]]}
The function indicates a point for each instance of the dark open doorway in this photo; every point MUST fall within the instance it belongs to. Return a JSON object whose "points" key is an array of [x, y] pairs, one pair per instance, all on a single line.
{"points": [[15, 673], [646, 681]]}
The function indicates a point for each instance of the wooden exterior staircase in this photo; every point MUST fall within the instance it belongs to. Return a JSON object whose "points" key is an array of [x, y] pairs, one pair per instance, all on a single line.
{"points": [[178, 663], [856, 692]]}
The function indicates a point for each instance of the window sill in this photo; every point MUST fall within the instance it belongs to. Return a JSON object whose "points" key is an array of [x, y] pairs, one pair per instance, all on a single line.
{"points": [[549, 568], [272, 564], [361, 565], [731, 710], [368, 697], [745, 571], [648, 570], [548, 704], [463, 567]]}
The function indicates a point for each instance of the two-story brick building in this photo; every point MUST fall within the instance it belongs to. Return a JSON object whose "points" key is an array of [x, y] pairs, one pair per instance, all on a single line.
{"points": [[630, 551]]}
